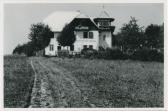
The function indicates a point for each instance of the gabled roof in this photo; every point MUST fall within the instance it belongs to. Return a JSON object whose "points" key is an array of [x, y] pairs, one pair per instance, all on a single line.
{"points": [[81, 15], [104, 14], [59, 19]]}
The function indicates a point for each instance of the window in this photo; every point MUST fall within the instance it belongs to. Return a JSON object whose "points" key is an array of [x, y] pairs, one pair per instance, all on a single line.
{"points": [[85, 34], [90, 46], [84, 46], [58, 47], [91, 35], [72, 48], [104, 37], [51, 47], [104, 23]]}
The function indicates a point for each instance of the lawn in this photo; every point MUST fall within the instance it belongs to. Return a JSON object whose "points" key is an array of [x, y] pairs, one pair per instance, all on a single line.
{"points": [[18, 81], [117, 83]]}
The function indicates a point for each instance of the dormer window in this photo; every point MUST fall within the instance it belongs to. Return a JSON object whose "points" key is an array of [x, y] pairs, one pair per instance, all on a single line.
{"points": [[104, 23]]}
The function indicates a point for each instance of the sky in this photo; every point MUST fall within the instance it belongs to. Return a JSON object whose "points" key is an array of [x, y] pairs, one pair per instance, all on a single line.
{"points": [[19, 17]]}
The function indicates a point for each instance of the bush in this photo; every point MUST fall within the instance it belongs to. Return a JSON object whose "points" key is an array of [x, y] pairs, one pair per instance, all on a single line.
{"points": [[147, 55], [101, 48], [103, 54], [63, 53], [112, 54], [89, 53]]}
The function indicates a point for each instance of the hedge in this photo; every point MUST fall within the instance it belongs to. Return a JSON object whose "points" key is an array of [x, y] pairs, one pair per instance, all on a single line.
{"points": [[147, 55]]}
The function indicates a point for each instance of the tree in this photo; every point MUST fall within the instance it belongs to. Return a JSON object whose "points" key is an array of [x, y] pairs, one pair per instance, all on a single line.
{"points": [[40, 35], [154, 36], [131, 35], [67, 36], [17, 49], [26, 49], [161, 36], [29, 49]]}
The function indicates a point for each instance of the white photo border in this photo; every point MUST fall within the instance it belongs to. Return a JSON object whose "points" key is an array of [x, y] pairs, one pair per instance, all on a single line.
{"points": [[3, 2]]}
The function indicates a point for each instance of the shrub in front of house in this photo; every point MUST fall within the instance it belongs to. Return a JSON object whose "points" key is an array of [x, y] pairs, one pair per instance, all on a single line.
{"points": [[104, 54], [114, 54], [101, 48], [111, 54], [89, 53], [147, 55], [63, 53]]}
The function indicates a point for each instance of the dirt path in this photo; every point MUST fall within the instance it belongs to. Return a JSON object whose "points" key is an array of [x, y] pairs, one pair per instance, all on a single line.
{"points": [[54, 86], [41, 94]]}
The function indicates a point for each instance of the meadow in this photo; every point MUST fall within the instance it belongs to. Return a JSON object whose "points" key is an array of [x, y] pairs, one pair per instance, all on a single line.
{"points": [[78, 82], [117, 83], [18, 81]]}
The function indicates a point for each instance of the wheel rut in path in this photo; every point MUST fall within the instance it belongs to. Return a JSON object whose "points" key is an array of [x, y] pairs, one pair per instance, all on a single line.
{"points": [[69, 85], [55, 87], [41, 94]]}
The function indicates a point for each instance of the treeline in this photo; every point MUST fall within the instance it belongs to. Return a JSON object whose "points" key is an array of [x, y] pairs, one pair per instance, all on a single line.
{"points": [[26, 49], [132, 37], [133, 42], [116, 54], [39, 36]]}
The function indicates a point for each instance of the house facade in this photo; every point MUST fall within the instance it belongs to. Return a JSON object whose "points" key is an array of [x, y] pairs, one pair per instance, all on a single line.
{"points": [[90, 32]]}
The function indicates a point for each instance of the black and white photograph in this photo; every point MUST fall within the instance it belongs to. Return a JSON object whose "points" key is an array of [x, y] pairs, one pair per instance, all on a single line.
{"points": [[83, 55]]}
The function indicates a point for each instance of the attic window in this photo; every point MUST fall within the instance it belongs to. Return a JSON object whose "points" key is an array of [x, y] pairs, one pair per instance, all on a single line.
{"points": [[85, 34], [104, 23], [91, 35]]}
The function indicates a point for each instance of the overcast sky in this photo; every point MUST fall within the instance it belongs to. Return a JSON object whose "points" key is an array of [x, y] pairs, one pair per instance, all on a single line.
{"points": [[19, 17]]}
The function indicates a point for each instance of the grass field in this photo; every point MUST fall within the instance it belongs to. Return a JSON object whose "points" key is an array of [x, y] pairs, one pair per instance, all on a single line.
{"points": [[118, 83], [82, 83], [18, 81]]}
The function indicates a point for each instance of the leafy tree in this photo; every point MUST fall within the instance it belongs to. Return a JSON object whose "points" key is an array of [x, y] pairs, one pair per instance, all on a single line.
{"points": [[161, 37], [131, 35], [26, 49], [29, 49], [17, 49], [154, 36], [40, 36], [67, 36]]}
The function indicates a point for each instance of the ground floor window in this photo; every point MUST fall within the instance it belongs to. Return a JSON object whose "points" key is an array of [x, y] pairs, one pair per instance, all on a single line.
{"points": [[58, 47], [51, 47], [90, 46], [84, 46], [104, 37], [72, 48]]}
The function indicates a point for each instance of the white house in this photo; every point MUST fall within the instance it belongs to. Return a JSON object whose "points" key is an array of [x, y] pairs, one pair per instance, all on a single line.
{"points": [[90, 32]]}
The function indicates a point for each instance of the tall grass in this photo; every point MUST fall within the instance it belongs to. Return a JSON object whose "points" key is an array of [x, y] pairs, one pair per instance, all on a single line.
{"points": [[18, 81], [120, 83]]}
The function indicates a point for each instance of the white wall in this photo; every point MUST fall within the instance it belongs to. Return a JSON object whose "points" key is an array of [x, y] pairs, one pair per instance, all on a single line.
{"points": [[80, 41], [54, 42], [108, 39], [78, 45]]}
